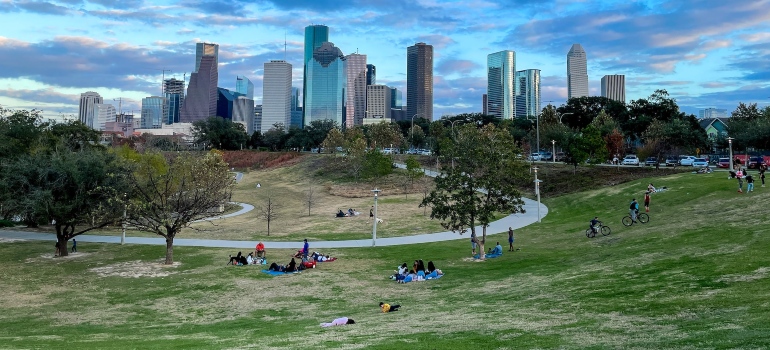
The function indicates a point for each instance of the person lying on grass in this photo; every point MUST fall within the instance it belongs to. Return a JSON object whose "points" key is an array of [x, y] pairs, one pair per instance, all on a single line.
{"points": [[388, 308], [339, 322]]}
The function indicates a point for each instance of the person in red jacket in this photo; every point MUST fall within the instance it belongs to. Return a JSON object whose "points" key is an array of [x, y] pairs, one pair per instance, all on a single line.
{"points": [[260, 250]]}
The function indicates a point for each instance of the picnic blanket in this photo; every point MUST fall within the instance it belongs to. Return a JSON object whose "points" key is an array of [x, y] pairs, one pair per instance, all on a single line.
{"points": [[277, 273], [430, 276], [488, 256]]}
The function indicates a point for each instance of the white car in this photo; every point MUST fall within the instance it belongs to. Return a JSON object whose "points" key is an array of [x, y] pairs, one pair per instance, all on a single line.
{"points": [[700, 162], [534, 156], [630, 159], [686, 160]]}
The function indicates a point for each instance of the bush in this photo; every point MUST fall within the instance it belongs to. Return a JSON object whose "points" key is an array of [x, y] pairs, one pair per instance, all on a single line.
{"points": [[7, 223]]}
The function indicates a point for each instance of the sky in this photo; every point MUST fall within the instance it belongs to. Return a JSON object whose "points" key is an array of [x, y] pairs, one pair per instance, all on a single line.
{"points": [[705, 53]]}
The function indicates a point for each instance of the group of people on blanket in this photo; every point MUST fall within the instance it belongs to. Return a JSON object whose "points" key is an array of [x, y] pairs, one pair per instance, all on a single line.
{"points": [[240, 259], [418, 272]]}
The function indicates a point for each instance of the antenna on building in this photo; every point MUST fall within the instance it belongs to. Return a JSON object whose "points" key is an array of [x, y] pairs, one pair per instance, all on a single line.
{"points": [[120, 104], [284, 45]]}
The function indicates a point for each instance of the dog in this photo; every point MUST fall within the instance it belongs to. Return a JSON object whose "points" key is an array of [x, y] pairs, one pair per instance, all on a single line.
{"points": [[380, 221]]}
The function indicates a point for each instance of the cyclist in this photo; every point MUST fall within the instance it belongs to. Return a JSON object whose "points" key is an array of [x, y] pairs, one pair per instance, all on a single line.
{"points": [[594, 226], [633, 209]]}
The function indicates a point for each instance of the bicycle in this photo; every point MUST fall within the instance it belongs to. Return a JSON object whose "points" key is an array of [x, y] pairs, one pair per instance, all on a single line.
{"points": [[605, 230], [640, 217]]}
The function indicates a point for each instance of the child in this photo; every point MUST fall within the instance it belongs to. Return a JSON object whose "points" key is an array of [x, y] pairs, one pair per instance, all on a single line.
{"points": [[647, 201], [389, 308], [749, 183]]}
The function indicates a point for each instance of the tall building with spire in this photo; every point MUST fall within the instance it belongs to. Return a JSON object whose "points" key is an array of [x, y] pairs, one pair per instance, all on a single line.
{"points": [[355, 107], [326, 83], [315, 36], [501, 88], [577, 72], [86, 112], [419, 81]]}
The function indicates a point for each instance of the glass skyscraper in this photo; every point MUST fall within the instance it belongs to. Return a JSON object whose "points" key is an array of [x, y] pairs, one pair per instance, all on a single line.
{"points": [[201, 100], [326, 81], [244, 86], [501, 89], [371, 74], [152, 112], [527, 93], [315, 36]]}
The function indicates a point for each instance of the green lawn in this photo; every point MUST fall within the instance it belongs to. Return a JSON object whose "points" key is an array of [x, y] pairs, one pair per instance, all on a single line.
{"points": [[695, 277]]}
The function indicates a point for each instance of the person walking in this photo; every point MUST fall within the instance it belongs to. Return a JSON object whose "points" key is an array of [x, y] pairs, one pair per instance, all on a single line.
{"points": [[633, 208], [473, 243], [749, 183], [647, 201], [74, 246], [510, 239], [739, 176], [762, 169]]}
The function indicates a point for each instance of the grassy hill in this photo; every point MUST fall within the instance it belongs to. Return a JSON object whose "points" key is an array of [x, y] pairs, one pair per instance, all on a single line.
{"points": [[695, 277]]}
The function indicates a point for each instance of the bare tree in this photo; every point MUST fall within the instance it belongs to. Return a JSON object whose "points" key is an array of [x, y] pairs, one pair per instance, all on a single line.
{"points": [[269, 211], [310, 199], [425, 188]]}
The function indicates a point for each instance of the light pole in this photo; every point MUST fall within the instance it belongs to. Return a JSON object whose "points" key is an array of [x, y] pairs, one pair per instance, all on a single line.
{"points": [[553, 155], [374, 227], [537, 191], [123, 235], [562, 115], [730, 143]]}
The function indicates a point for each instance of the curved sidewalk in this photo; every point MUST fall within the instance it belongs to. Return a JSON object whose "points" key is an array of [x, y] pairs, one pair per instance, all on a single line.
{"points": [[516, 221]]}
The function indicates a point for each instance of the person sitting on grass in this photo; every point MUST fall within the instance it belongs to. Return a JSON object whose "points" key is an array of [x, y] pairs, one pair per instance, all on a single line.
{"points": [[292, 266], [431, 267], [250, 259], [388, 308], [340, 214], [234, 260], [276, 267], [497, 250], [260, 250]]}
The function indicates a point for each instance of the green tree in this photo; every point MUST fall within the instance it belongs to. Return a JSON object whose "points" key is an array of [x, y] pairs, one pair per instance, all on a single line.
{"points": [[484, 182], [20, 132], [220, 133], [275, 138], [376, 165], [334, 139], [586, 146]]}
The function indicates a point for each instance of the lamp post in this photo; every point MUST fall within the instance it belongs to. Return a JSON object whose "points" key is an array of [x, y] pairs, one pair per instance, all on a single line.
{"points": [[553, 154], [123, 235], [537, 191], [730, 143], [562, 115], [374, 227]]}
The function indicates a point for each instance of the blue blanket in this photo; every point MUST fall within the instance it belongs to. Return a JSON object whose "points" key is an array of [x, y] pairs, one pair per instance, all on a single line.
{"points": [[277, 273], [432, 276], [488, 256]]}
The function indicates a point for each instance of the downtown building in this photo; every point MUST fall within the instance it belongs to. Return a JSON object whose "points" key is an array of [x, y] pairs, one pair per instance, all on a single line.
{"points": [[326, 83], [577, 72], [296, 108], [711, 113], [152, 112], [103, 113], [527, 93], [244, 86], [371, 74], [355, 106], [205, 50], [86, 110], [315, 36], [614, 87], [378, 102], [201, 100], [501, 87], [419, 81], [276, 95], [173, 92]]}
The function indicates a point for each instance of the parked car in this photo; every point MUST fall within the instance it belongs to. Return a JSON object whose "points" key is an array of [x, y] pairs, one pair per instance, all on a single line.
{"points": [[756, 162], [534, 156], [560, 156], [651, 161], [546, 156], [425, 152], [389, 150], [672, 161], [723, 163], [700, 162], [686, 160], [630, 159]]}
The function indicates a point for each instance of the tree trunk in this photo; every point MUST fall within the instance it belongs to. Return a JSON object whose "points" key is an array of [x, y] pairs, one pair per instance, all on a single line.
{"points": [[169, 250], [268, 227], [63, 251], [483, 252]]}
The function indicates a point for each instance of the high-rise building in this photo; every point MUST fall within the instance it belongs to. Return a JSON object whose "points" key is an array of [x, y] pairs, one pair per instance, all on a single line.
{"points": [[86, 112], [205, 49], [296, 108], [244, 86], [419, 81], [484, 109], [527, 93], [243, 112], [371, 74], [356, 72], [614, 87], [152, 112], [501, 88], [174, 93], [396, 98], [326, 82], [225, 102], [201, 100], [103, 113], [257, 122], [315, 36], [378, 102], [276, 94], [577, 72], [712, 113]]}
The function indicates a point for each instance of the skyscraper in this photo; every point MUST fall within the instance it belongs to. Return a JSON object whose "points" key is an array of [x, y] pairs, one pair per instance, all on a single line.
{"points": [[244, 86], [205, 49], [243, 112], [356, 72], [577, 72], [501, 89], [396, 99], [371, 74], [527, 93], [86, 112], [484, 110], [326, 82], [419, 81], [201, 100], [276, 95], [377, 101], [174, 94], [614, 87], [315, 36], [296, 108], [225, 102], [103, 113], [152, 112]]}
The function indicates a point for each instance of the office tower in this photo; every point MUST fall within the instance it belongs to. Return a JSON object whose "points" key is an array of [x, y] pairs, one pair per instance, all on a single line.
{"points": [[174, 93], [325, 96], [243, 111], [371, 74], [396, 99], [276, 94], [205, 49], [484, 110], [315, 36], [501, 88], [527, 93], [419, 81], [103, 113], [257, 122], [244, 86], [225, 100], [201, 100], [356, 72], [614, 87], [577, 72], [86, 113], [152, 112], [378, 102], [712, 113], [296, 108], [123, 123]]}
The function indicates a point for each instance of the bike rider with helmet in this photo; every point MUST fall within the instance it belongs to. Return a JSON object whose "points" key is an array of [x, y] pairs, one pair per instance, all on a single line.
{"points": [[633, 209], [594, 226]]}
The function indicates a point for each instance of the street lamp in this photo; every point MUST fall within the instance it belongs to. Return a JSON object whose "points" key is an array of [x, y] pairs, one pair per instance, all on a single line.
{"points": [[730, 143], [562, 115], [537, 191], [123, 235], [553, 154], [374, 227]]}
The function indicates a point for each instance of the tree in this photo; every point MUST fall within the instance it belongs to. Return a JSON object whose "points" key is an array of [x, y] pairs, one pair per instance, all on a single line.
{"points": [[376, 165], [333, 140], [586, 147], [413, 172], [166, 194], [614, 142], [255, 140], [268, 211], [484, 181], [275, 138], [310, 199], [220, 133], [581, 111], [384, 134]]}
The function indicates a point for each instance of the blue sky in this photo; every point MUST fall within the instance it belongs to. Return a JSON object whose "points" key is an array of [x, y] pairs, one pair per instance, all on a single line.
{"points": [[706, 53]]}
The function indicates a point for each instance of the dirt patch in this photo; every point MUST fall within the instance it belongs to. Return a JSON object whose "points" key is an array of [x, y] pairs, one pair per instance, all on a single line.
{"points": [[136, 269], [11, 240]]}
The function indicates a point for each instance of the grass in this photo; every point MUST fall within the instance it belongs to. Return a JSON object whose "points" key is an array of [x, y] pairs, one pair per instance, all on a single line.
{"points": [[695, 277]]}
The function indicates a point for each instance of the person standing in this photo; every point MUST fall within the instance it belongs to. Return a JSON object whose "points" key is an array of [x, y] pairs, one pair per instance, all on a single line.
{"points": [[74, 246], [305, 249], [510, 239], [371, 213], [739, 176], [647, 201], [762, 169], [749, 183], [633, 208]]}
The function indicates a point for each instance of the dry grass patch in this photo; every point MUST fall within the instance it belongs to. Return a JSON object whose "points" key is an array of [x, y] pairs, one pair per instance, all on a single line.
{"points": [[136, 269]]}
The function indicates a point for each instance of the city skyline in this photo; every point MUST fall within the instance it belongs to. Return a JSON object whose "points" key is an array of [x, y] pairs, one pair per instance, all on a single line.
{"points": [[121, 50]]}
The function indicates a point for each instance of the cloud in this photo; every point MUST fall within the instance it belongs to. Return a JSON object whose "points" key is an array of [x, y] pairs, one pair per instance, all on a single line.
{"points": [[48, 95], [452, 66]]}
